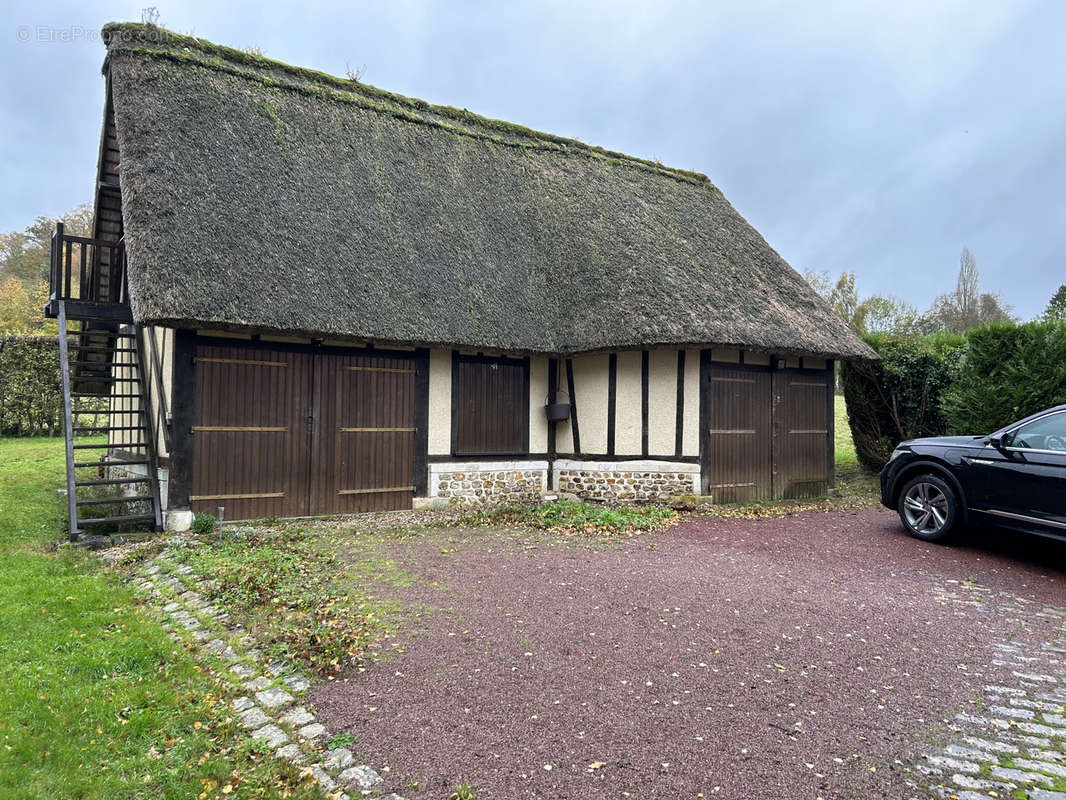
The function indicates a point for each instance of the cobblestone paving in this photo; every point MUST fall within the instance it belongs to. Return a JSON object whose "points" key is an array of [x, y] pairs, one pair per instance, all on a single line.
{"points": [[1013, 744], [270, 692]]}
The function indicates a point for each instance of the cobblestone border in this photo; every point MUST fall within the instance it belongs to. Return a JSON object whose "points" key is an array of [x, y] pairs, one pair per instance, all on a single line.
{"points": [[1016, 742], [269, 709]]}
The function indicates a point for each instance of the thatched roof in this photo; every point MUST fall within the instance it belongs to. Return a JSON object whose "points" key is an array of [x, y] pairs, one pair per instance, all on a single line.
{"points": [[261, 196]]}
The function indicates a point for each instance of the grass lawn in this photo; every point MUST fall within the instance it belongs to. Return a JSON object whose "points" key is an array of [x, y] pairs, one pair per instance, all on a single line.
{"points": [[847, 460], [98, 702]]}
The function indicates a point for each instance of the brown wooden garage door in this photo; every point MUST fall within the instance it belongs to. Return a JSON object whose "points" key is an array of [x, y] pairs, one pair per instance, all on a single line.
{"points": [[292, 433], [740, 430], [769, 433], [363, 448], [802, 409], [251, 441]]}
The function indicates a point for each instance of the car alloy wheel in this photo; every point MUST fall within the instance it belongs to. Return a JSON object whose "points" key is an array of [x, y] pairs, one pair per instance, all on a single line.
{"points": [[926, 508]]}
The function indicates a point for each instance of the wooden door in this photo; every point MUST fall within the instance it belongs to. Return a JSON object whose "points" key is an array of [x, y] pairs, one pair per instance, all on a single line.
{"points": [[362, 454], [739, 440], [251, 437], [802, 426]]}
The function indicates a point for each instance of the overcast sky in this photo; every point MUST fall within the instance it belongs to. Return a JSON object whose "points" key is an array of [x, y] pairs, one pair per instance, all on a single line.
{"points": [[878, 138]]}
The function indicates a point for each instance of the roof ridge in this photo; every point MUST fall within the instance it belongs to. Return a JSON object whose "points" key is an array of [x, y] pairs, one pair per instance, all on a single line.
{"points": [[153, 41]]}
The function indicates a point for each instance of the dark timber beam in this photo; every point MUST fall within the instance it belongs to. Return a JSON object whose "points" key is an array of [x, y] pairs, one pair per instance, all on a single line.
{"points": [[421, 443], [705, 420], [573, 405], [679, 425], [644, 392], [183, 403], [612, 401]]}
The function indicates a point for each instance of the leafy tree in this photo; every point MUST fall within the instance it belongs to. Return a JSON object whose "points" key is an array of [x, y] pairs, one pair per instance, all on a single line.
{"points": [[39, 324], [875, 314], [888, 314], [25, 254], [1056, 308], [14, 307]]}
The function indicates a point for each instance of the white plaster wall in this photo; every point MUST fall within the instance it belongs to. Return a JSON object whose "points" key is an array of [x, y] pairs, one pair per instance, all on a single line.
{"points": [[590, 386], [662, 402], [628, 405], [538, 393], [692, 404], [440, 402]]}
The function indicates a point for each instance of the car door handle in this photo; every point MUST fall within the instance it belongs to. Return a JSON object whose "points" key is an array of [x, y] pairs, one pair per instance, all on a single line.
{"points": [[981, 461]]}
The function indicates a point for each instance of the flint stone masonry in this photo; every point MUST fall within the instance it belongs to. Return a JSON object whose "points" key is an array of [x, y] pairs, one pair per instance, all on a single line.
{"points": [[489, 481], [627, 481]]}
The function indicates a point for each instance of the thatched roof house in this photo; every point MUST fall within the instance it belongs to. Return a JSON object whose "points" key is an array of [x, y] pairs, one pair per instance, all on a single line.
{"points": [[261, 201]]}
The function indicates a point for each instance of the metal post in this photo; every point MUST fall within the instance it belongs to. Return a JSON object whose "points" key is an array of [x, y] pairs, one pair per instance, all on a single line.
{"points": [[68, 429]]}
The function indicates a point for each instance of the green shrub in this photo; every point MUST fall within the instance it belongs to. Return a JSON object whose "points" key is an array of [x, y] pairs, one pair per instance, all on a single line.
{"points": [[31, 392], [566, 516], [1007, 372], [899, 397], [204, 524]]}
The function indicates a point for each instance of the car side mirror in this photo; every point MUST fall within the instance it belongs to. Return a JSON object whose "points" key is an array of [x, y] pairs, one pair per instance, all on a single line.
{"points": [[996, 442]]}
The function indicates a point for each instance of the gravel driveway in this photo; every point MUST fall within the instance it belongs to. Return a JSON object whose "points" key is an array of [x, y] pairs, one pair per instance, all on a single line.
{"points": [[819, 655]]}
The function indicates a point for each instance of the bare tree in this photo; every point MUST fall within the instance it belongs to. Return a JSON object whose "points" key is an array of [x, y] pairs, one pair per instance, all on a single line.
{"points": [[967, 307]]}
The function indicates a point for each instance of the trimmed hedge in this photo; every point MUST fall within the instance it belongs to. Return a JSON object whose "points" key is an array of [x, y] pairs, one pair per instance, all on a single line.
{"points": [[899, 396], [31, 394], [944, 384], [1008, 372]]}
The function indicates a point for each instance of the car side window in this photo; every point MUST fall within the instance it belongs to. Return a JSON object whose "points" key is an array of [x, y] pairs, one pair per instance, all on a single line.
{"points": [[1046, 433]]}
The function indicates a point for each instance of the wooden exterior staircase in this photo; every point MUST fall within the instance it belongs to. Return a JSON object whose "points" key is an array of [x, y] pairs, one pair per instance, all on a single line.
{"points": [[102, 355]]}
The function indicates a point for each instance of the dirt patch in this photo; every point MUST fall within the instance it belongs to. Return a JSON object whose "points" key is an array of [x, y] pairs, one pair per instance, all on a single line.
{"points": [[807, 656]]}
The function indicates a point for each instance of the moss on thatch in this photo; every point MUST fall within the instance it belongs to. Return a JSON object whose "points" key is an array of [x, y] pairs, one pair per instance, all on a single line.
{"points": [[262, 196]]}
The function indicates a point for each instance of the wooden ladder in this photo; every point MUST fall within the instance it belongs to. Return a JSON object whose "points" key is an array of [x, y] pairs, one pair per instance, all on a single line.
{"points": [[102, 373]]}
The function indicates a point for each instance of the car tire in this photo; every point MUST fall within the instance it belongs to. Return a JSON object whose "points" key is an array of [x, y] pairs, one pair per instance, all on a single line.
{"points": [[929, 508]]}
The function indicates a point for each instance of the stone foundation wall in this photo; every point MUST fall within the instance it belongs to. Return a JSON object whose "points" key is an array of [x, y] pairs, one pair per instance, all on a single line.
{"points": [[489, 482], [627, 481]]}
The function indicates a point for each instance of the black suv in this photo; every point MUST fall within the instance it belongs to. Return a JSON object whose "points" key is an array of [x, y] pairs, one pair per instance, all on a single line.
{"points": [[1016, 478]]}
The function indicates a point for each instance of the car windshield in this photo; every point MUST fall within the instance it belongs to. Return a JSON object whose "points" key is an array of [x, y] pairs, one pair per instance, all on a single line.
{"points": [[1046, 433]]}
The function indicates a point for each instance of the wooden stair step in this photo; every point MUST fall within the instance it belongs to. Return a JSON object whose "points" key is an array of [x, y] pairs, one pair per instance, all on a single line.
{"points": [[112, 481], [111, 520], [100, 501], [108, 428], [135, 462], [104, 394], [104, 445]]}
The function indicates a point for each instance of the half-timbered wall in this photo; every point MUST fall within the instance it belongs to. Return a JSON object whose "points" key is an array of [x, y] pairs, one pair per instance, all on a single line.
{"points": [[630, 404]]}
